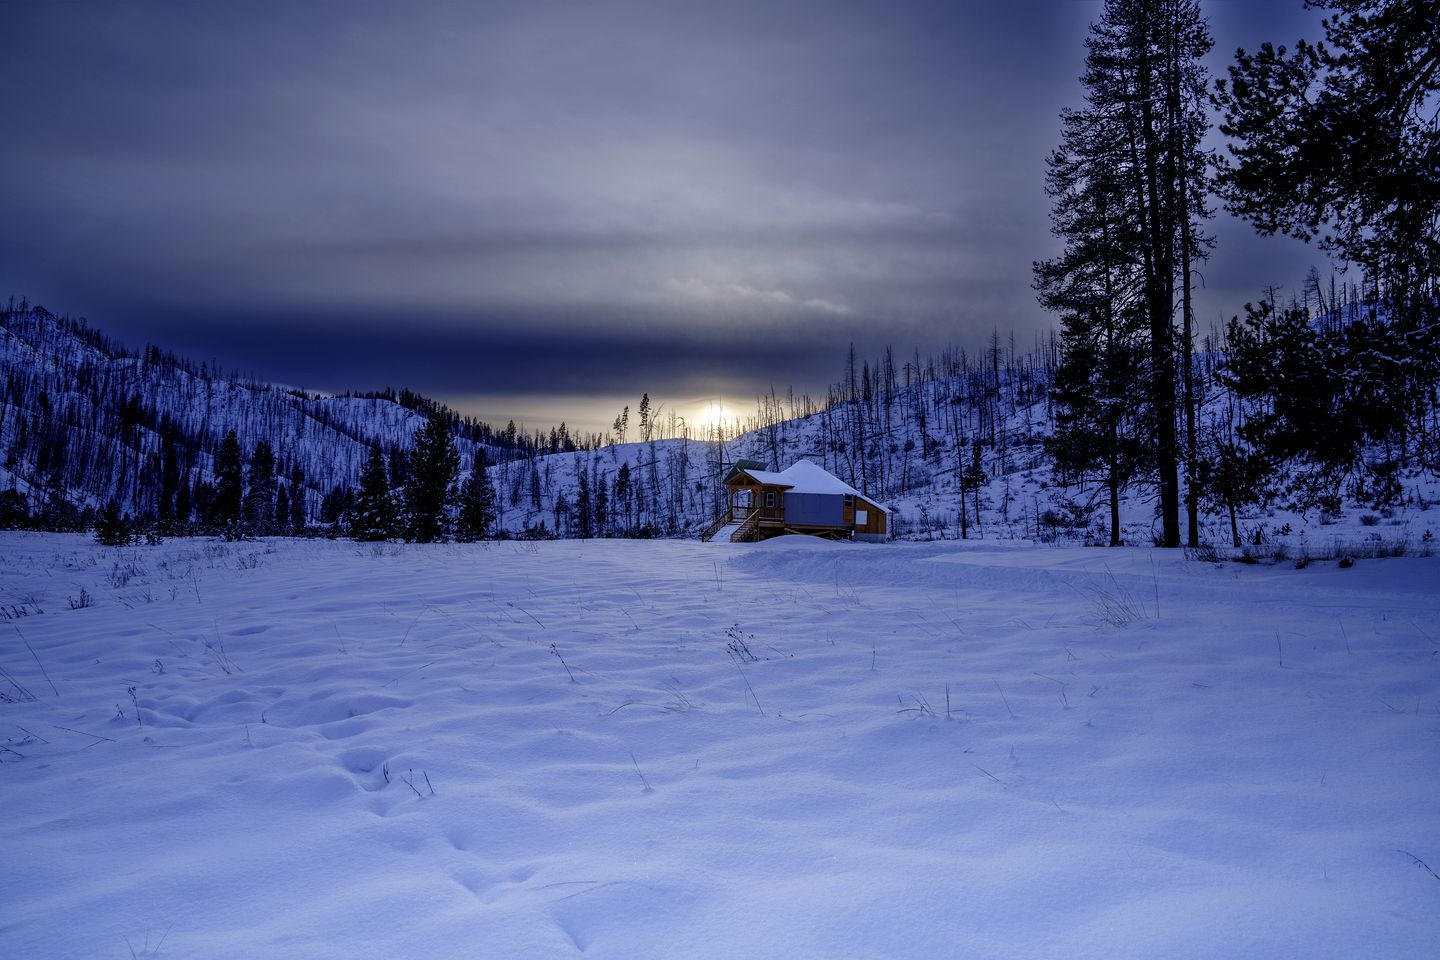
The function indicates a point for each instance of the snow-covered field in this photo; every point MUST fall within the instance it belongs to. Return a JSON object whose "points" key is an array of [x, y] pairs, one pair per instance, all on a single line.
{"points": [[666, 749]]}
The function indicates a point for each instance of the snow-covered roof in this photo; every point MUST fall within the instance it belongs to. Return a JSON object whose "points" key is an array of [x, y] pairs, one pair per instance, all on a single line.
{"points": [[806, 477], [774, 478]]}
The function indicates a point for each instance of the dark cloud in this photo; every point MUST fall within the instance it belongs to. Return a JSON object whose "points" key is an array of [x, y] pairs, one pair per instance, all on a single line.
{"points": [[337, 194], [477, 356]]}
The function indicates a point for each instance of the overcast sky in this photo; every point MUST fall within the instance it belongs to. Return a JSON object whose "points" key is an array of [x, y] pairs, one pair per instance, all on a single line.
{"points": [[539, 210]]}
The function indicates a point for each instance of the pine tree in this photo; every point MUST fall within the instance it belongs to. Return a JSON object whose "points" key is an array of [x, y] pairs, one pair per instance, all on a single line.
{"points": [[1128, 186], [182, 507], [281, 520], [977, 477], [562, 515], [1230, 474], [112, 529], [297, 500], [335, 506], [584, 514], [429, 490], [1096, 287], [602, 506], [14, 509], [1098, 416], [372, 514], [259, 503], [622, 496], [1337, 142], [170, 482], [224, 512], [1307, 404], [477, 502], [535, 492]]}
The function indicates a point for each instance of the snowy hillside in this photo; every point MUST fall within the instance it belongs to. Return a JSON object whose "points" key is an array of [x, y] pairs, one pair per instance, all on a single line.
{"points": [[951, 437], [83, 419], [790, 750]]}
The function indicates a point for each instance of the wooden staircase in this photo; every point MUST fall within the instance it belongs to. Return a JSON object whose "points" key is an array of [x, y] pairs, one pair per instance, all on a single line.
{"points": [[709, 532], [747, 530], [726, 527]]}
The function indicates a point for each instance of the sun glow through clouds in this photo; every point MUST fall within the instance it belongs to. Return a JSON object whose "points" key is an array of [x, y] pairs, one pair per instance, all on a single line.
{"points": [[714, 414]]}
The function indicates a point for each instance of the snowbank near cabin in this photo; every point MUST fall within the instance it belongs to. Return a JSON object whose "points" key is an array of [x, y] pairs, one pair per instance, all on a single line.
{"points": [[642, 749]]}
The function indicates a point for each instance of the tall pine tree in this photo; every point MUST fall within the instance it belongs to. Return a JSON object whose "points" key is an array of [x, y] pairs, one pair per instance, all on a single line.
{"points": [[477, 502], [1128, 184], [430, 487], [224, 514], [1096, 287], [602, 504], [259, 503], [372, 514], [297, 499], [584, 509]]}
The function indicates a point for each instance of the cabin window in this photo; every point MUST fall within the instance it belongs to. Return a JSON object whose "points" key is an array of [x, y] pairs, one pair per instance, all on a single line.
{"points": [[770, 499], [862, 517]]}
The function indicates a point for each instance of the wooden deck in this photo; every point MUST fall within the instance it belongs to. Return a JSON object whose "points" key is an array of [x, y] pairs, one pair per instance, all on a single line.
{"points": [[764, 523]]}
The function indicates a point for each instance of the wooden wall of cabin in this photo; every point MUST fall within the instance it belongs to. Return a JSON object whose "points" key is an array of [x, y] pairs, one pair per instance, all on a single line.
{"points": [[875, 521]]}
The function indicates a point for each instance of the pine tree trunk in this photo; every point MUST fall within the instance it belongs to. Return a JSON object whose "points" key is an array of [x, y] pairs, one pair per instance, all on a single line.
{"points": [[1114, 506], [1192, 504], [1159, 299], [1187, 254]]}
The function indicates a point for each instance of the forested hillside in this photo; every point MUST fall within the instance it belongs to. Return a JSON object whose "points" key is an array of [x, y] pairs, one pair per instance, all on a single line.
{"points": [[977, 444], [84, 420]]}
